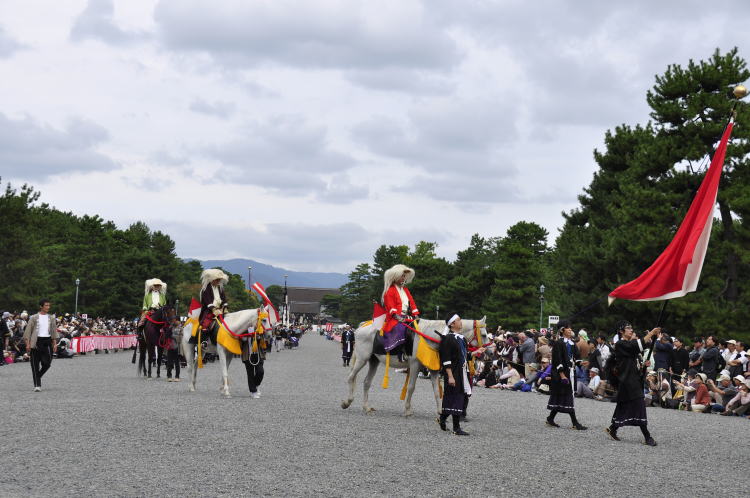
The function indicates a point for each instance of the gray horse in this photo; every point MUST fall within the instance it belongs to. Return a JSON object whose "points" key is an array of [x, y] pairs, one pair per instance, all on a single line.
{"points": [[475, 332]]}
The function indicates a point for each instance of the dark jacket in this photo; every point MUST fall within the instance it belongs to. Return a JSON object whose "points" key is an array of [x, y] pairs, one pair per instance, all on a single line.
{"points": [[630, 383], [207, 299], [663, 355], [710, 361], [680, 360], [452, 356], [562, 363]]}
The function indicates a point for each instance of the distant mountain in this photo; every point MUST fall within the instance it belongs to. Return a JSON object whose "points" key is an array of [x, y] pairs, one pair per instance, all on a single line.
{"points": [[269, 275]]}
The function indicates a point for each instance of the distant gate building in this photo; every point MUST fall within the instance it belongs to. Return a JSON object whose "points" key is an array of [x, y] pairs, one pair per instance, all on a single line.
{"points": [[304, 302]]}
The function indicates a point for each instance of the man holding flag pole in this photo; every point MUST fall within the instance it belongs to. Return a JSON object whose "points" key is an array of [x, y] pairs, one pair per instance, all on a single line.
{"points": [[674, 274]]}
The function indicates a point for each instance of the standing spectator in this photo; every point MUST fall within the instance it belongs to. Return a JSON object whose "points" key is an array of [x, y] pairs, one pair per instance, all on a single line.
{"points": [[527, 351], [728, 349], [696, 354], [710, 358], [40, 336], [173, 350], [680, 358], [4, 334], [737, 361], [663, 353]]}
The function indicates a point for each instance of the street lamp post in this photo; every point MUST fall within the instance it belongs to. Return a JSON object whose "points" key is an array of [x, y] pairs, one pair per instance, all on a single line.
{"points": [[437, 312], [286, 303], [249, 277], [541, 305], [78, 282], [177, 308]]}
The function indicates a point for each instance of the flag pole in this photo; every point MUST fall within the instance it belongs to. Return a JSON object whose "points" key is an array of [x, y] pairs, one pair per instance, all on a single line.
{"points": [[654, 339]]}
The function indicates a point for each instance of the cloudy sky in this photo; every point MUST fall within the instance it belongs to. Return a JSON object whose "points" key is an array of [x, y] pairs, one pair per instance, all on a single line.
{"points": [[305, 134]]}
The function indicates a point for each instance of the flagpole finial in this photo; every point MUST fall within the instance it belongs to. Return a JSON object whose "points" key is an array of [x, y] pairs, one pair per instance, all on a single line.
{"points": [[740, 91]]}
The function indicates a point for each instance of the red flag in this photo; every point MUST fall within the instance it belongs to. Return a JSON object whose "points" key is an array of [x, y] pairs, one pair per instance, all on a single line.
{"points": [[378, 316], [262, 292], [677, 270], [194, 309]]}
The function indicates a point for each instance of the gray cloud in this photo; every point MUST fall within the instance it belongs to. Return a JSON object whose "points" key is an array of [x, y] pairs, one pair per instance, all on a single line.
{"points": [[300, 246], [450, 144], [8, 46], [30, 150], [402, 80], [218, 108], [338, 35], [285, 155], [96, 22]]}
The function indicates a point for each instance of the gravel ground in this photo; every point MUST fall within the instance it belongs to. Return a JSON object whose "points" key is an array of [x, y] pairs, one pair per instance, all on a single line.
{"points": [[98, 430]]}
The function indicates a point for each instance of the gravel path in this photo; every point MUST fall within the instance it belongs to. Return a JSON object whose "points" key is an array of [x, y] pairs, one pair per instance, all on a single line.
{"points": [[98, 430]]}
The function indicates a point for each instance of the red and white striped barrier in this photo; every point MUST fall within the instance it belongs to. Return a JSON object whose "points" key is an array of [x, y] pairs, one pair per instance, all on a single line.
{"points": [[89, 343]]}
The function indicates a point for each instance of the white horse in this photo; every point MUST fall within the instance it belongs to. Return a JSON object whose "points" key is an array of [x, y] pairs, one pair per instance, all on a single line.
{"points": [[238, 322], [475, 332]]}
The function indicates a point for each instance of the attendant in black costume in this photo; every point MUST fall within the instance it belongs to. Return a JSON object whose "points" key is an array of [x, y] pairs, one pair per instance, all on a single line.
{"points": [[564, 354], [347, 346], [631, 406], [455, 379], [253, 364]]}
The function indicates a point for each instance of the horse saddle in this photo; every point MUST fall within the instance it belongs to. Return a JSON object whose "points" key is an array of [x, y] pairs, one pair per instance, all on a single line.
{"points": [[406, 347], [210, 334]]}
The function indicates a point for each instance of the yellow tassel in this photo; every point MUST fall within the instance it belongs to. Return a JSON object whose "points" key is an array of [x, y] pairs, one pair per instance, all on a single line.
{"points": [[440, 389], [200, 353], [403, 389], [387, 368], [471, 368]]}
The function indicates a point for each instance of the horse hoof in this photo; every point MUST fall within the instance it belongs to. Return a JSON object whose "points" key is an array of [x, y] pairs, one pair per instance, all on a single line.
{"points": [[369, 410], [191, 389], [345, 405], [408, 414]]}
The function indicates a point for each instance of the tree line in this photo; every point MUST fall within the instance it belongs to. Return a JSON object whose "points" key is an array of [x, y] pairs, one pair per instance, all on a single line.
{"points": [[44, 250], [647, 176]]}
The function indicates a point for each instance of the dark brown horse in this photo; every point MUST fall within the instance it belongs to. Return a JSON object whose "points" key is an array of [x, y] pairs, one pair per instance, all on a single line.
{"points": [[151, 336]]}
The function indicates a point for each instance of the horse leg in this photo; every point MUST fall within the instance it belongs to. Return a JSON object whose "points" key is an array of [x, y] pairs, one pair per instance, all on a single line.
{"points": [[373, 367], [359, 362], [187, 349], [159, 358], [413, 371], [224, 373], [435, 379]]}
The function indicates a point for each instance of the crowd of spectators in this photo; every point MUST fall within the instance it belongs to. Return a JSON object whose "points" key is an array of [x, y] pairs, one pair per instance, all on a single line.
{"points": [[711, 376], [13, 324]]}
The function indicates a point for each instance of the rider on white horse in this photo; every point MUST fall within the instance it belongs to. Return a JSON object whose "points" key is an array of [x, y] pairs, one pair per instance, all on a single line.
{"points": [[155, 297], [399, 306], [213, 299]]}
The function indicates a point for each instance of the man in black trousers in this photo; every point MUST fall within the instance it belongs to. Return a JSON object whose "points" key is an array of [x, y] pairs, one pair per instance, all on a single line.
{"points": [[631, 406], [40, 336]]}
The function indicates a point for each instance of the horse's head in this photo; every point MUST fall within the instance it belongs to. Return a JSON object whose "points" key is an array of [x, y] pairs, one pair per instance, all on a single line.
{"points": [[477, 336]]}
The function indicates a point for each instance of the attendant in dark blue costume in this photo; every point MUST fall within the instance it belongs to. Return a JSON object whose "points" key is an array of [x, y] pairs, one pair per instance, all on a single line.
{"points": [[347, 345], [456, 385], [626, 375], [564, 354]]}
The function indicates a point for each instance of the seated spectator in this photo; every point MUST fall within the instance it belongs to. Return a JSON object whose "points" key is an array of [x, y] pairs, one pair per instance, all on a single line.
{"points": [[740, 404], [702, 401], [659, 388], [722, 393], [544, 377], [508, 377], [587, 390], [544, 349]]}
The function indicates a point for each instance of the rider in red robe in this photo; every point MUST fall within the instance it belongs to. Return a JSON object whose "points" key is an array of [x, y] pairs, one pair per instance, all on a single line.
{"points": [[399, 305]]}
